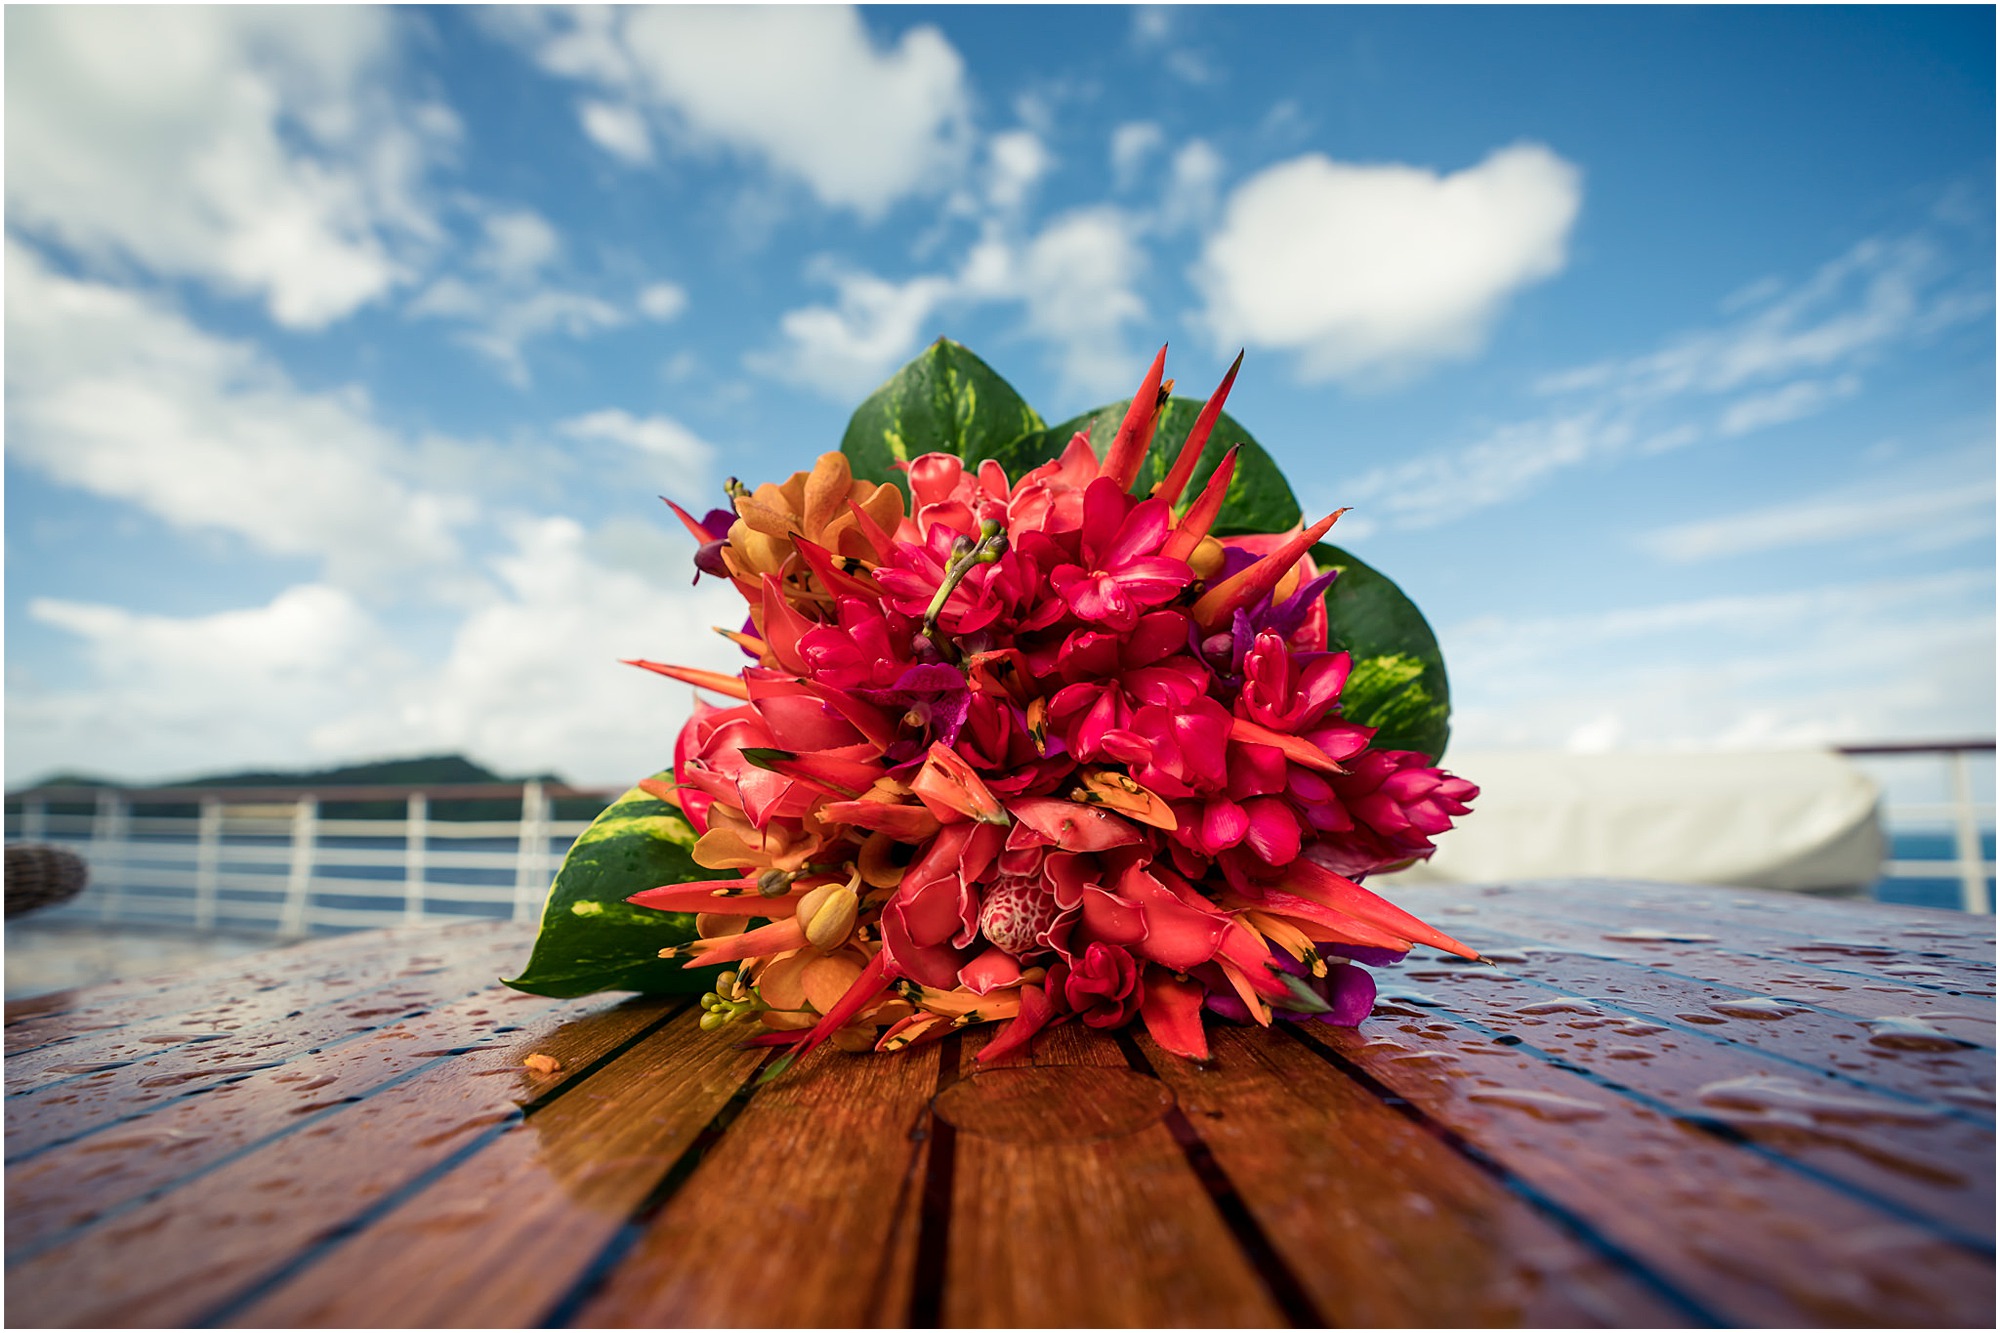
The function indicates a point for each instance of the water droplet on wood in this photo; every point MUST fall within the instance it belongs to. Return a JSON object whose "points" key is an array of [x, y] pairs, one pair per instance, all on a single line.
{"points": [[1541, 1105]]}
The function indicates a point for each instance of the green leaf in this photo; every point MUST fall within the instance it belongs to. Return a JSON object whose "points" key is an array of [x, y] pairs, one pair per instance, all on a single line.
{"points": [[1398, 684], [1259, 499], [591, 938], [945, 401]]}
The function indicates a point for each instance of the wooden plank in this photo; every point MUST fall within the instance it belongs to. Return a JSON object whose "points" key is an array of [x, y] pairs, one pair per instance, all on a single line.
{"points": [[191, 1255], [1865, 939], [69, 1015], [1386, 1223], [42, 1017], [1748, 1240], [498, 1240], [63, 1112], [1884, 1125], [56, 1192], [788, 1220], [1772, 914], [1072, 1204], [233, 1005], [1831, 989], [1905, 1050]]}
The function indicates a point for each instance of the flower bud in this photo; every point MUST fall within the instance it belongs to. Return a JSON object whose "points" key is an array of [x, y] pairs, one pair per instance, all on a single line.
{"points": [[716, 926], [855, 1038], [828, 914], [1206, 559]]}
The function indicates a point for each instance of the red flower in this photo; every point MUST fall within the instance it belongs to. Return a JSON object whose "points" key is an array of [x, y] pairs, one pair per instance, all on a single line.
{"points": [[1120, 574], [1101, 987]]}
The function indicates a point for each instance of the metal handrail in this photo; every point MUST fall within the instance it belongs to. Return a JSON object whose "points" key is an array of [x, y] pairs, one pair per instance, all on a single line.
{"points": [[1969, 859], [184, 871], [325, 792]]}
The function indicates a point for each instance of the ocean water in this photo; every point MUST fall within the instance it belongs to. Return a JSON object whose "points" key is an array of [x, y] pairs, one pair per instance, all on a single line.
{"points": [[1941, 890]]}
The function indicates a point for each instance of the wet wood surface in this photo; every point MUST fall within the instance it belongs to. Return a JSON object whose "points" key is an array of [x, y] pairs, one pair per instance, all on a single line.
{"points": [[1659, 1106]]}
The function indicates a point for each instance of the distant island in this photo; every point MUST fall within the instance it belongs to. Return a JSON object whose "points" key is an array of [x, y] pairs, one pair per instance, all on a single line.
{"points": [[445, 770], [427, 771]]}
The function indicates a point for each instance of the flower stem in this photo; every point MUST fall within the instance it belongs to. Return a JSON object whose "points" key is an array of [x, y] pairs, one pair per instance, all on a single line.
{"points": [[992, 544]]}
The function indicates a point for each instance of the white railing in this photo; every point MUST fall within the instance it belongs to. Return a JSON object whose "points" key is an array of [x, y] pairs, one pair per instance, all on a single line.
{"points": [[1966, 818], [270, 861]]}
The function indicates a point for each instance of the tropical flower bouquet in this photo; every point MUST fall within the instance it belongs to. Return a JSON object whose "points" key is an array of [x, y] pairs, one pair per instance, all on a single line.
{"points": [[1039, 725]]}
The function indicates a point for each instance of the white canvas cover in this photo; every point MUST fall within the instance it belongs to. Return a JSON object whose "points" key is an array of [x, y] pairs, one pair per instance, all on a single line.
{"points": [[1804, 820]]}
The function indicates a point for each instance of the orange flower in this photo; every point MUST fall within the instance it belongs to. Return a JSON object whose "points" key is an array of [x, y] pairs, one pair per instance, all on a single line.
{"points": [[818, 505]]}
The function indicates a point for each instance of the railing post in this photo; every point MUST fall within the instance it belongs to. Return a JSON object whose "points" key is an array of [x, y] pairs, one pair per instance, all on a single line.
{"points": [[106, 853], [531, 864], [305, 829], [207, 863], [1971, 855], [416, 844], [34, 819]]}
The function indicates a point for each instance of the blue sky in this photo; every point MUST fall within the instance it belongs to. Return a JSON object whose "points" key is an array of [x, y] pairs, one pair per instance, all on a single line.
{"points": [[348, 349]]}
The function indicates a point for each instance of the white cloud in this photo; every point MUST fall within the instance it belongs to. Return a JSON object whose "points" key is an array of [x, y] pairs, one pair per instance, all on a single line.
{"points": [[120, 396], [509, 302], [809, 91], [1928, 519], [1077, 278], [531, 680], [1189, 199], [1791, 402], [1771, 669], [847, 349], [1373, 272], [1152, 25], [658, 435], [534, 680], [1016, 161], [1881, 291], [1074, 281], [617, 129], [1156, 30], [238, 688], [259, 150], [502, 323], [1131, 144], [519, 243], [663, 301], [1786, 355], [1438, 487]]}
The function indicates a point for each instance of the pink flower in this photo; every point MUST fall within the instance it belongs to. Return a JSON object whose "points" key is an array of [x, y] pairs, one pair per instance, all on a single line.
{"points": [[694, 801], [1280, 694], [1050, 498], [944, 494], [934, 914], [1101, 987], [718, 768], [1398, 802], [1120, 574]]}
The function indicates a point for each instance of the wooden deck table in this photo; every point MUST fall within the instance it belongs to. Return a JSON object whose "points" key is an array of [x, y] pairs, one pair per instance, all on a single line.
{"points": [[1663, 1106]]}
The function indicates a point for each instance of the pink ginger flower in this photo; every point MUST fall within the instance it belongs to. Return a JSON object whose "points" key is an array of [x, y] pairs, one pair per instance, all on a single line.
{"points": [[1398, 802], [1281, 694], [1119, 575], [944, 494], [1049, 498]]}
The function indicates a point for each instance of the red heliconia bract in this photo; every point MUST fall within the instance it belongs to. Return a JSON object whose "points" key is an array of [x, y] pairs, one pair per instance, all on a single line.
{"points": [[1009, 757]]}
